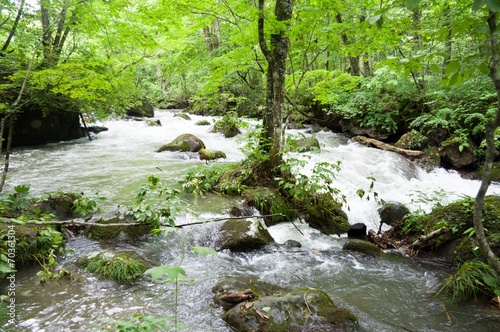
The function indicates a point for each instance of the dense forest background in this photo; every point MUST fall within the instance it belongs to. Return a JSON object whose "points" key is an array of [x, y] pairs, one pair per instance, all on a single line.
{"points": [[379, 68]]}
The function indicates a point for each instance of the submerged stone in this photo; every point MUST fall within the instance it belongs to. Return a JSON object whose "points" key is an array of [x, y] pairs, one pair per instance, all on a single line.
{"points": [[362, 246]]}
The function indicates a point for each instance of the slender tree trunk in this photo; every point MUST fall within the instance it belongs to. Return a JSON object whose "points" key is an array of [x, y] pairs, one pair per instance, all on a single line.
{"points": [[491, 152], [14, 28], [276, 56], [353, 61], [7, 154]]}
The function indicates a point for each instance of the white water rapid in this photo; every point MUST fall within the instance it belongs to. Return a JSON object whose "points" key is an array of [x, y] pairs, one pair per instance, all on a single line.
{"points": [[387, 294]]}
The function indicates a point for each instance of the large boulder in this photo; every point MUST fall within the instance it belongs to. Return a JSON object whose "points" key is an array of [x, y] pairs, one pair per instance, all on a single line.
{"points": [[184, 143], [259, 306], [40, 126], [243, 235], [458, 157]]}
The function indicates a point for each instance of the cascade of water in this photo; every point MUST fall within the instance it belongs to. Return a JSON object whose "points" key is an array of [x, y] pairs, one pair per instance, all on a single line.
{"points": [[385, 294]]}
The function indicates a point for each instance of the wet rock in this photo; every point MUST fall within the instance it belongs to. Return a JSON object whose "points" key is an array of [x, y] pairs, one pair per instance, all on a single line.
{"points": [[211, 155], [292, 244], [59, 204], [242, 210], [362, 246], [392, 212], [243, 235], [272, 308], [460, 158], [227, 129], [184, 143], [153, 122], [357, 231], [183, 115]]}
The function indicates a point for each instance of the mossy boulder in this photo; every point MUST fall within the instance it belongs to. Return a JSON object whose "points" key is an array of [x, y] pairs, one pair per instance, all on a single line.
{"points": [[271, 203], [228, 129], [243, 235], [123, 267], [203, 123], [184, 143], [392, 212], [183, 115], [153, 122], [325, 214], [211, 155], [109, 232], [361, 246], [274, 309]]}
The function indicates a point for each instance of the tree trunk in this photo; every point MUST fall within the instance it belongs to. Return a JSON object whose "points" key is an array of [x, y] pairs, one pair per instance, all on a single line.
{"points": [[490, 149], [13, 29], [276, 56], [353, 61]]}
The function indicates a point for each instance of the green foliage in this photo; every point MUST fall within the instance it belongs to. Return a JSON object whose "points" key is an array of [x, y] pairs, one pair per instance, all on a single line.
{"points": [[13, 203], [48, 265], [120, 267], [203, 179], [84, 205], [155, 203], [471, 279], [377, 103]]}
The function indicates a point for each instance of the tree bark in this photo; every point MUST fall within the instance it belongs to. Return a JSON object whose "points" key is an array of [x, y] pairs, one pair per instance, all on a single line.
{"points": [[276, 56], [353, 61], [491, 152]]}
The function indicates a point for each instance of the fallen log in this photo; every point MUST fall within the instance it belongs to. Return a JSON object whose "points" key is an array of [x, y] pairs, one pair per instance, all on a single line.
{"points": [[424, 240], [387, 147]]}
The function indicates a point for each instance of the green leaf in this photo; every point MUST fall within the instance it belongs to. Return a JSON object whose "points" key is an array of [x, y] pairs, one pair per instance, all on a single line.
{"points": [[204, 251], [493, 5], [374, 19], [412, 3], [452, 67], [157, 272], [266, 309]]}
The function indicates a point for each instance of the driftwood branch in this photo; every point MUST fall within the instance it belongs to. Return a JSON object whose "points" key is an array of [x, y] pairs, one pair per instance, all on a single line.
{"points": [[387, 147], [84, 223], [424, 240]]}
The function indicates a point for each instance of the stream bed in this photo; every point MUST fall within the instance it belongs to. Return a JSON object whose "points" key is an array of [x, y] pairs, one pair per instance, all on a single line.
{"points": [[391, 293]]}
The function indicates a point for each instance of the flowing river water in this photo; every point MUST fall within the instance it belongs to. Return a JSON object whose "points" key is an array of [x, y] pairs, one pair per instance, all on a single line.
{"points": [[391, 293]]}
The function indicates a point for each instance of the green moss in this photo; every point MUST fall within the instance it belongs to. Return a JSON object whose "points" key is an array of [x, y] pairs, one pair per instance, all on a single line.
{"points": [[322, 212], [363, 247], [270, 202], [122, 267], [211, 155], [203, 123]]}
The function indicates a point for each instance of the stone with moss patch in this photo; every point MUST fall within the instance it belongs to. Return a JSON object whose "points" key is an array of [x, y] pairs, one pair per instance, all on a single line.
{"points": [[276, 309], [184, 143], [203, 123], [113, 232], [323, 213], [211, 155], [184, 116], [243, 235], [361, 246]]}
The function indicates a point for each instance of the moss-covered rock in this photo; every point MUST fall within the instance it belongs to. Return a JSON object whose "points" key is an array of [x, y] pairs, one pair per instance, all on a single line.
{"points": [[183, 115], [325, 214], [274, 309], [211, 155], [270, 202], [227, 128], [123, 267], [364, 247], [243, 235], [392, 212], [203, 123], [303, 144], [59, 204], [184, 143]]}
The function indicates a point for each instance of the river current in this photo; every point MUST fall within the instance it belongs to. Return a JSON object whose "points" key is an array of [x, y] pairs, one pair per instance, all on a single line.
{"points": [[391, 293]]}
